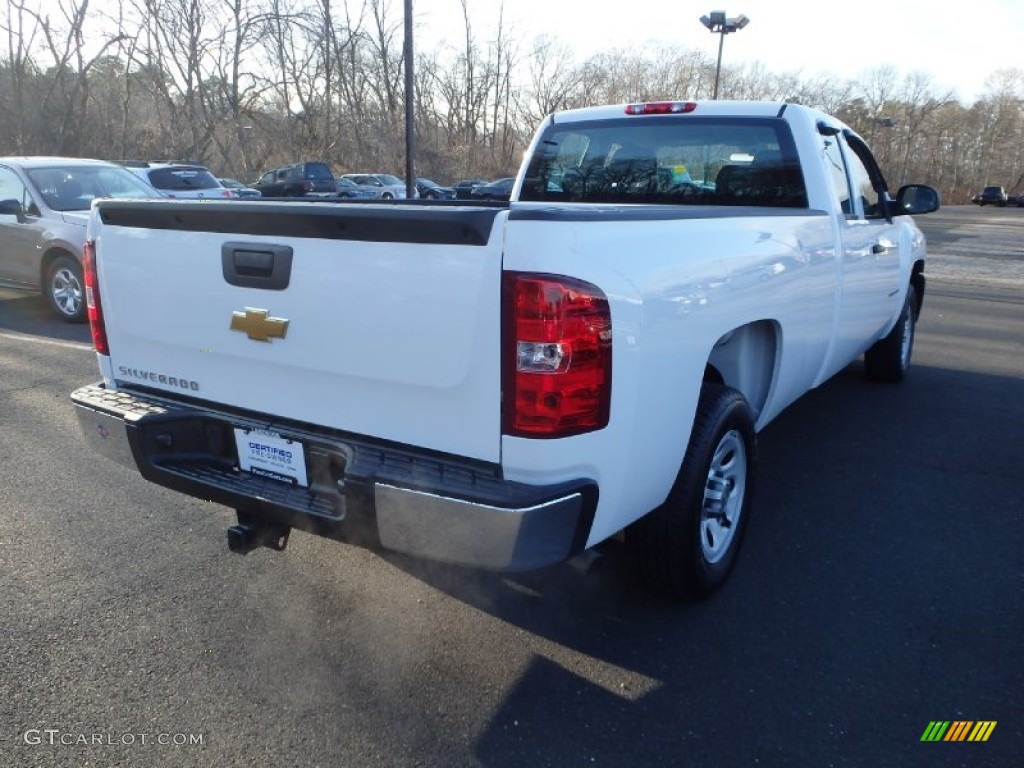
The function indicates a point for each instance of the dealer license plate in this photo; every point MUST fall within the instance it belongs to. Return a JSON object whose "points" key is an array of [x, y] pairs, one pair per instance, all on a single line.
{"points": [[267, 454]]}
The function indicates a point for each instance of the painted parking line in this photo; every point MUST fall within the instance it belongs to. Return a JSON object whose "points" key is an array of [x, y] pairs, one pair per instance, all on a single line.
{"points": [[51, 342]]}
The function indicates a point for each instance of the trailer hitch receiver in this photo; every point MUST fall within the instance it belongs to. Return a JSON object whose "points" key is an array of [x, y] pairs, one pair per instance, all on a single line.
{"points": [[252, 533]]}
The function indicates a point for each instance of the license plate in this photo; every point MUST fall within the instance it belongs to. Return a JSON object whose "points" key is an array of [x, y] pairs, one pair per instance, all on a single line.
{"points": [[267, 454]]}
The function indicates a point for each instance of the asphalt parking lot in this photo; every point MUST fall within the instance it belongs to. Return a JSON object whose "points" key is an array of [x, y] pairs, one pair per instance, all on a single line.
{"points": [[879, 590]]}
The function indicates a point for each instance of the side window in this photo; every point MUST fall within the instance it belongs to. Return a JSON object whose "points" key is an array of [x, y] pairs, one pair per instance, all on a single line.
{"points": [[13, 188], [837, 175], [860, 180], [866, 177]]}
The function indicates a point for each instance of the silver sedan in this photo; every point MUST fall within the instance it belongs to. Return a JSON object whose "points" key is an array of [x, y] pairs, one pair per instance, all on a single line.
{"points": [[44, 209]]}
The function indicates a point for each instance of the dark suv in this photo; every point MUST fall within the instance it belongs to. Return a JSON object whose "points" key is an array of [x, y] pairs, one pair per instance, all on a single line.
{"points": [[298, 180], [992, 196]]}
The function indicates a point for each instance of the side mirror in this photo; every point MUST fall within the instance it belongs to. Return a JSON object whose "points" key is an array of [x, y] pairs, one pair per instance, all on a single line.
{"points": [[916, 199], [12, 208]]}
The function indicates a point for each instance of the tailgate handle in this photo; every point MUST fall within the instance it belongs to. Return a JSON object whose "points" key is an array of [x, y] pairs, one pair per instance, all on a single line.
{"points": [[252, 265]]}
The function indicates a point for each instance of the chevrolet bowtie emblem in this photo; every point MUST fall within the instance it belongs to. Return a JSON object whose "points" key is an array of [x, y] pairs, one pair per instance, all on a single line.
{"points": [[257, 325]]}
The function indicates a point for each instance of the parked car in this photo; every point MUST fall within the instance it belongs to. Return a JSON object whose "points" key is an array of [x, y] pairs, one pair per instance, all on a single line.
{"points": [[44, 207], [991, 196], [187, 180], [352, 191], [307, 179], [1019, 199], [495, 190], [464, 187], [240, 189], [431, 190], [390, 187]]}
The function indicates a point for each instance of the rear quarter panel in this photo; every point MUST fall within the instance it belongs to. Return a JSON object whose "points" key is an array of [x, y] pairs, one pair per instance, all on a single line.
{"points": [[675, 288]]}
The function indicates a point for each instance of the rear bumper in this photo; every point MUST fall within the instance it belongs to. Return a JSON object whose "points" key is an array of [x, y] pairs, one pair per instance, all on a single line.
{"points": [[359, 490]]}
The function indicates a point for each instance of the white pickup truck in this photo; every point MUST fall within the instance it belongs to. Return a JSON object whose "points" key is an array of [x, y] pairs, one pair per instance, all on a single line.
{"points": [[507, 385]]}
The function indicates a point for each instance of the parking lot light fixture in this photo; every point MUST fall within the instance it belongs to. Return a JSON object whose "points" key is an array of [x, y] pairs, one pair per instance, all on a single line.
{"points": [[718, 23]]}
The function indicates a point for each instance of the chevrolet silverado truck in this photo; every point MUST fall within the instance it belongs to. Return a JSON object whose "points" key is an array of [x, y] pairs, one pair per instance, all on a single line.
{"points": [[506, 385]]}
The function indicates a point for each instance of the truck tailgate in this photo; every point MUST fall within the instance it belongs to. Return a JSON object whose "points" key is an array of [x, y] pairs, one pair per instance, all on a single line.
{"points": [[379, 320]]}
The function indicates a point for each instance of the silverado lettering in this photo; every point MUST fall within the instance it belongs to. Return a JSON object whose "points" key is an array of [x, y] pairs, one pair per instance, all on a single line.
{"points": [[507, 386], [159, 378]]}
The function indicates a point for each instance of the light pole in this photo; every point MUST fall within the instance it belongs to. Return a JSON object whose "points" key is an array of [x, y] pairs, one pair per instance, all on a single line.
{"points": [[410, 131], [718, 23]]}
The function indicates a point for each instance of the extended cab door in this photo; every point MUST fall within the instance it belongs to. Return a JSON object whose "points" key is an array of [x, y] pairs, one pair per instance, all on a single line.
{"points": [[870, 290]]}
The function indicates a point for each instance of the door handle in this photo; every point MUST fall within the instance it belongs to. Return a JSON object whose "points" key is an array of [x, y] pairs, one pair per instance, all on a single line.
{"points": [[257, 265]]}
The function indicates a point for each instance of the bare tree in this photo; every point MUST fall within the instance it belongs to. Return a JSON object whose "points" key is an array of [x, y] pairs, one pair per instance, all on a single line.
{"points": [[244, 84], [22, 28], [555, 81], [919, 104]]}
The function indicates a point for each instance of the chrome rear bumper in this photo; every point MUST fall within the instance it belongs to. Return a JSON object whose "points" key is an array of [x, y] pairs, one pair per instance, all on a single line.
{"points": [[397, 497]]}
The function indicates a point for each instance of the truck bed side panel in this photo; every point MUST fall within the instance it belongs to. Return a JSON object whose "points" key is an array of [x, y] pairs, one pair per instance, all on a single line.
{"points": [[671, 302]]}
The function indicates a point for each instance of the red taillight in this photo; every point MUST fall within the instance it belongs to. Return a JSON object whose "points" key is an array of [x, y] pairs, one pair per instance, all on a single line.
{"points": [[557, 365], [92, 298], [661, 108]]}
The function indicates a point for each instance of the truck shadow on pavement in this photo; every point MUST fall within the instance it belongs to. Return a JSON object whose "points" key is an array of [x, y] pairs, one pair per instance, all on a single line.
{"points": [[866, 570]]}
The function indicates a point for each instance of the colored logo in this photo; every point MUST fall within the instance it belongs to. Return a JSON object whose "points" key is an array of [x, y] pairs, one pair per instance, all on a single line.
{"points": [[959, 730], [258, 325]]}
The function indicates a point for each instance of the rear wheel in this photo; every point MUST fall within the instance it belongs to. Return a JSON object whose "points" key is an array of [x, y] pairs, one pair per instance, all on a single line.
{"points": [[64, 289], [888, 360], [687, 547]]}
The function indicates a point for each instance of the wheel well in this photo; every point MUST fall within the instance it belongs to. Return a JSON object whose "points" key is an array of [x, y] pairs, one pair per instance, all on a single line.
{"points": [[745, 359], [48, 258], [917, 280]]}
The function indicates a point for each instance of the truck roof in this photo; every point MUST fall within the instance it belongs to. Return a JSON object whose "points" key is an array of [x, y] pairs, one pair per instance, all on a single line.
{"points": [[705, 108]]}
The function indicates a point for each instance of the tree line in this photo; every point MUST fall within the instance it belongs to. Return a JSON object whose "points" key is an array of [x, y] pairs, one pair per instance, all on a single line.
{"points": [[246, 85]]}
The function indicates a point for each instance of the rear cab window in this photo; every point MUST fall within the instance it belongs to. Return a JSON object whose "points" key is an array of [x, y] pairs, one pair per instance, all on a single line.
{"points": [[182, 178], [668, 160], [318, 171]]}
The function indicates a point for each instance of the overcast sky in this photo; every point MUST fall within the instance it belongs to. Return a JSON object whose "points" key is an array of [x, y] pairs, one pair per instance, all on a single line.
{"points": [[959, 44]]}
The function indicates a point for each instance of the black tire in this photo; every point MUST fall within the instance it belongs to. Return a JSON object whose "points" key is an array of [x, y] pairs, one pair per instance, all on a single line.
{"points": [[65, 289], [888, 360], [687, 547]]}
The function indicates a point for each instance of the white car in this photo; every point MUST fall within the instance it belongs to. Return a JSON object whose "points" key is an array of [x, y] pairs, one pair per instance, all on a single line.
{"points": [[44, 207], [388, 187], [241, 190], [185, 180]]}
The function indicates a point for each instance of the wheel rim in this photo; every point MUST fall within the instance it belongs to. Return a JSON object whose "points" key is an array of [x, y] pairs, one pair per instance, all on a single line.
{"points": [[66, 291], [723, 496]]}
